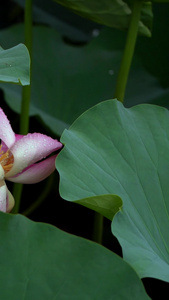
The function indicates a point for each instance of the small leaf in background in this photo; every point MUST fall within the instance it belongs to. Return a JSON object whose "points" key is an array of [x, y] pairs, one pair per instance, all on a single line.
{"points": [[114, 13], [113, 150], [14, 65], [39, 261], [67, 23]]}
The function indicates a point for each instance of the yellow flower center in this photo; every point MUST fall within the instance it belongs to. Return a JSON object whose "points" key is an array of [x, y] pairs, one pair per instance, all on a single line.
{"points": [[6, 160]]}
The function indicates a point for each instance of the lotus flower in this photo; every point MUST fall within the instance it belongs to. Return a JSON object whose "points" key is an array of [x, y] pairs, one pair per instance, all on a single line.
{"points": [[23, 159]]}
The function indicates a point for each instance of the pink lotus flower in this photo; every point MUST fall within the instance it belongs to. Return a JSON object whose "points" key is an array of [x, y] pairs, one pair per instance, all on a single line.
{"points": [[21, 159]]}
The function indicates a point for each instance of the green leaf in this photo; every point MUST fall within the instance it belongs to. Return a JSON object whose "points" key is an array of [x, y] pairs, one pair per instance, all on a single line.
{"points": [[67, 79], [155, 55], [113, 150], [114, 13], [14, 65], [63, 20], [107, 205], [39, 261]]}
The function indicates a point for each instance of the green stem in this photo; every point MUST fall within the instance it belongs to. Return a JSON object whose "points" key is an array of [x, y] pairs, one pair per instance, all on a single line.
{"points": [[26, 96], [98, 228], [26, 91], [128, 51]]}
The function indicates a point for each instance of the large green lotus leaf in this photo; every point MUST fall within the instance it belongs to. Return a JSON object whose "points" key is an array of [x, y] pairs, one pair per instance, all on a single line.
{"points": [[68, 79], [114, 150], [14, 65], [39, 261], [113, 13]]}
